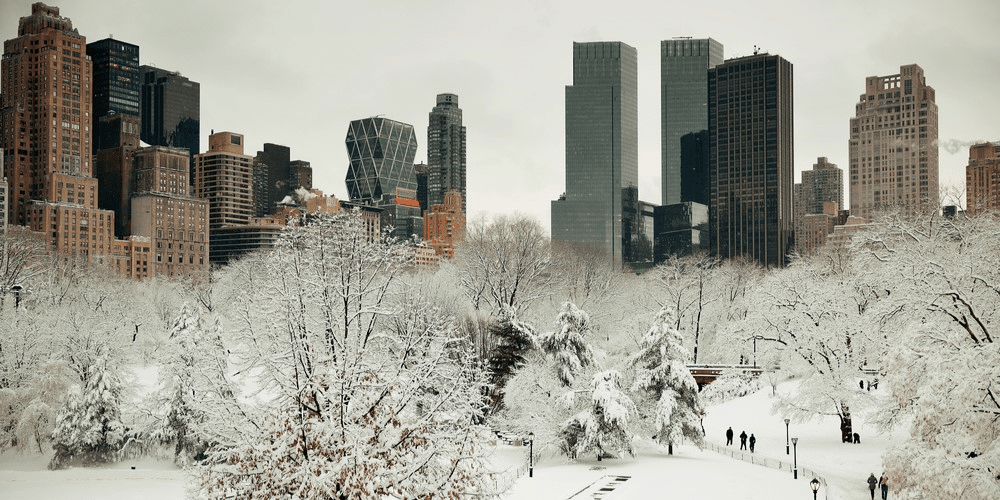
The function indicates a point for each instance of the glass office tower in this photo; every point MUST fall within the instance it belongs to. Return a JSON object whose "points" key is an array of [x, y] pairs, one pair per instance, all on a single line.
{"points": [[171, 110], [602, 150], [684, 65], [751, 162], [445, 151], [116, 89]]}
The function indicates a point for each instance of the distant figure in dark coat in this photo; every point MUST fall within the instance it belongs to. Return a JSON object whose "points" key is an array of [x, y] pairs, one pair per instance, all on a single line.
{"points": [[729, 436], [743, 440], [862, 384], [753, 441], [857, 438], [872, 482], [884, 484]]}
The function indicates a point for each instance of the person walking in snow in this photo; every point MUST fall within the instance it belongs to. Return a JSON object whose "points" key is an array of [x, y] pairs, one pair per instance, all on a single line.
{"points": [[884, 484], [743, 440], [753, 441], [729, 436], [872, 482]]}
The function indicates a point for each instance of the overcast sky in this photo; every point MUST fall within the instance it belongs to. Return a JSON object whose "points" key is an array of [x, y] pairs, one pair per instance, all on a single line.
{"points": [[297, 72]]}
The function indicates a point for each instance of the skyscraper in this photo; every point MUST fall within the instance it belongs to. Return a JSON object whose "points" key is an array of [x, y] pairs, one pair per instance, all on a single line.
{"points": [[445, 150], [170, 109], [982, 178], [825, 182], [381, 172], [224, 176], [684, 65], [602, 149], [116, 89], [893, 147], [45, 135], [751, 160]]}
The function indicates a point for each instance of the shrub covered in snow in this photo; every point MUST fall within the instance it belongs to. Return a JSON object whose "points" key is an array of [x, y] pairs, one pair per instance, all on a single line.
{"points": [[730, 385]]}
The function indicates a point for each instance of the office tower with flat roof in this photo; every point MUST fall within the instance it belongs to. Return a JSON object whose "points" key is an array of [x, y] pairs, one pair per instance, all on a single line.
{"points": [[893, 146], [170, 110], [825, 182], [751, 158], [445, 150], [684, 65], [982, 178], [224, 176], [45, 135], [116, 89], [283, 176], [602, 149]]}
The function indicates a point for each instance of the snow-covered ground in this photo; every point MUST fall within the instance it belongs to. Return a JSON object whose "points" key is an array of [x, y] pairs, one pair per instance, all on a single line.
{"points": [[689, 473]]}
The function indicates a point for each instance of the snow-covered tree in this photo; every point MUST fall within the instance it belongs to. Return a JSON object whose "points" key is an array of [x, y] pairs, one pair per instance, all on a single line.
{"points": [[664, 381], [340, 384], [604, 427], [511, 340], [42, 396], [731, 384], [88, 428], [567, 346], [942, 361]]}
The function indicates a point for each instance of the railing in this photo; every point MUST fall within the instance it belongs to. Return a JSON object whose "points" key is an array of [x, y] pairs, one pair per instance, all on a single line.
{"points": [[772, 463]]}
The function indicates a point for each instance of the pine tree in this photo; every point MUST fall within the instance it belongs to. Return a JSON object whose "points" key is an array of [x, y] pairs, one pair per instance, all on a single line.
{"points": [[604, 428], [566, 346], [89, 428], [662, 377], [513, 340]]}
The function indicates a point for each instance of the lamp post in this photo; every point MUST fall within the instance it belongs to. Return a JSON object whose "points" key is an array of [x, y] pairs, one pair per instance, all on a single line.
{"points": [[786, 436], [795, 458], [531, 454], [814, 484]]}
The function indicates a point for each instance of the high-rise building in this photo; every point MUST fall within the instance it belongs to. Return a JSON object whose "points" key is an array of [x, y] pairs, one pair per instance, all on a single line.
{"points": [[283, 176], [171, 110], [300, 175], [684, 65], [421, 174], [381, 172], [982, 178], [825, 182], [224, 176], [444, 225], [751, 158], [164, 211], [445, 150], [116, 89], [45, 135], [893, 146], [602, 149]]}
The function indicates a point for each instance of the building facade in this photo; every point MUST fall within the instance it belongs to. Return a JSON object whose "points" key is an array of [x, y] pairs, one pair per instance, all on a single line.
{"points": [[445, 151], [893, 146], [824, 183], [684, 65], [381, 153], [45, 135], [444, 225], [116, 89], [224, 176], [751, 156], [982, 178], [601, 149], [170, 108]]}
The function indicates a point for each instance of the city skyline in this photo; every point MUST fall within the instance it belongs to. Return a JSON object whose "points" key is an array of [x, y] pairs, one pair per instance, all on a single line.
{"points": [[511, 67]]}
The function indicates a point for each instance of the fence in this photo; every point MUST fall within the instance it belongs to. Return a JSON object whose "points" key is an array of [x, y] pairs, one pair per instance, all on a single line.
{"points": [[772, 463]]}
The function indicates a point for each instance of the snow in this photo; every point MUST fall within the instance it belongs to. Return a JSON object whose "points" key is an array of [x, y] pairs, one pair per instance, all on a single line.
{"points": [[689, 473]]}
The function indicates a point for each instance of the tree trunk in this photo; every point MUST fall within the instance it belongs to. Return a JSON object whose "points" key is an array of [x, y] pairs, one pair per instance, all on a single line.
{"points": [[846, 430]]}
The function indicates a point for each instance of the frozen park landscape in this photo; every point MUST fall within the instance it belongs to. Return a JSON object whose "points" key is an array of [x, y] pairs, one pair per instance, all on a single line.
{"points": [[689, 473]]}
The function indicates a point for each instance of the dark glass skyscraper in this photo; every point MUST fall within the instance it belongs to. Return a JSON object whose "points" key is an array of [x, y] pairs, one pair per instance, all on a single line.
{"points": [[445, 150], [751, 161], [684, 65], [381, 152], [116, 88], [171, 110], [602, 150]]}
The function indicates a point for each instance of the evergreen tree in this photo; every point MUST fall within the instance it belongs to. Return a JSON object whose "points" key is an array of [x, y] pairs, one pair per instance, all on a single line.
{"points": [[604, 428], [88, 428], [664, 380], [566, 346], [512, 341]]}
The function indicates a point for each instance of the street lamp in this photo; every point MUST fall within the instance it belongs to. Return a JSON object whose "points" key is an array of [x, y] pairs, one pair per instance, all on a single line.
{"points": [[795, 458], [531, 454], [786, 436], [814, 484]]}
